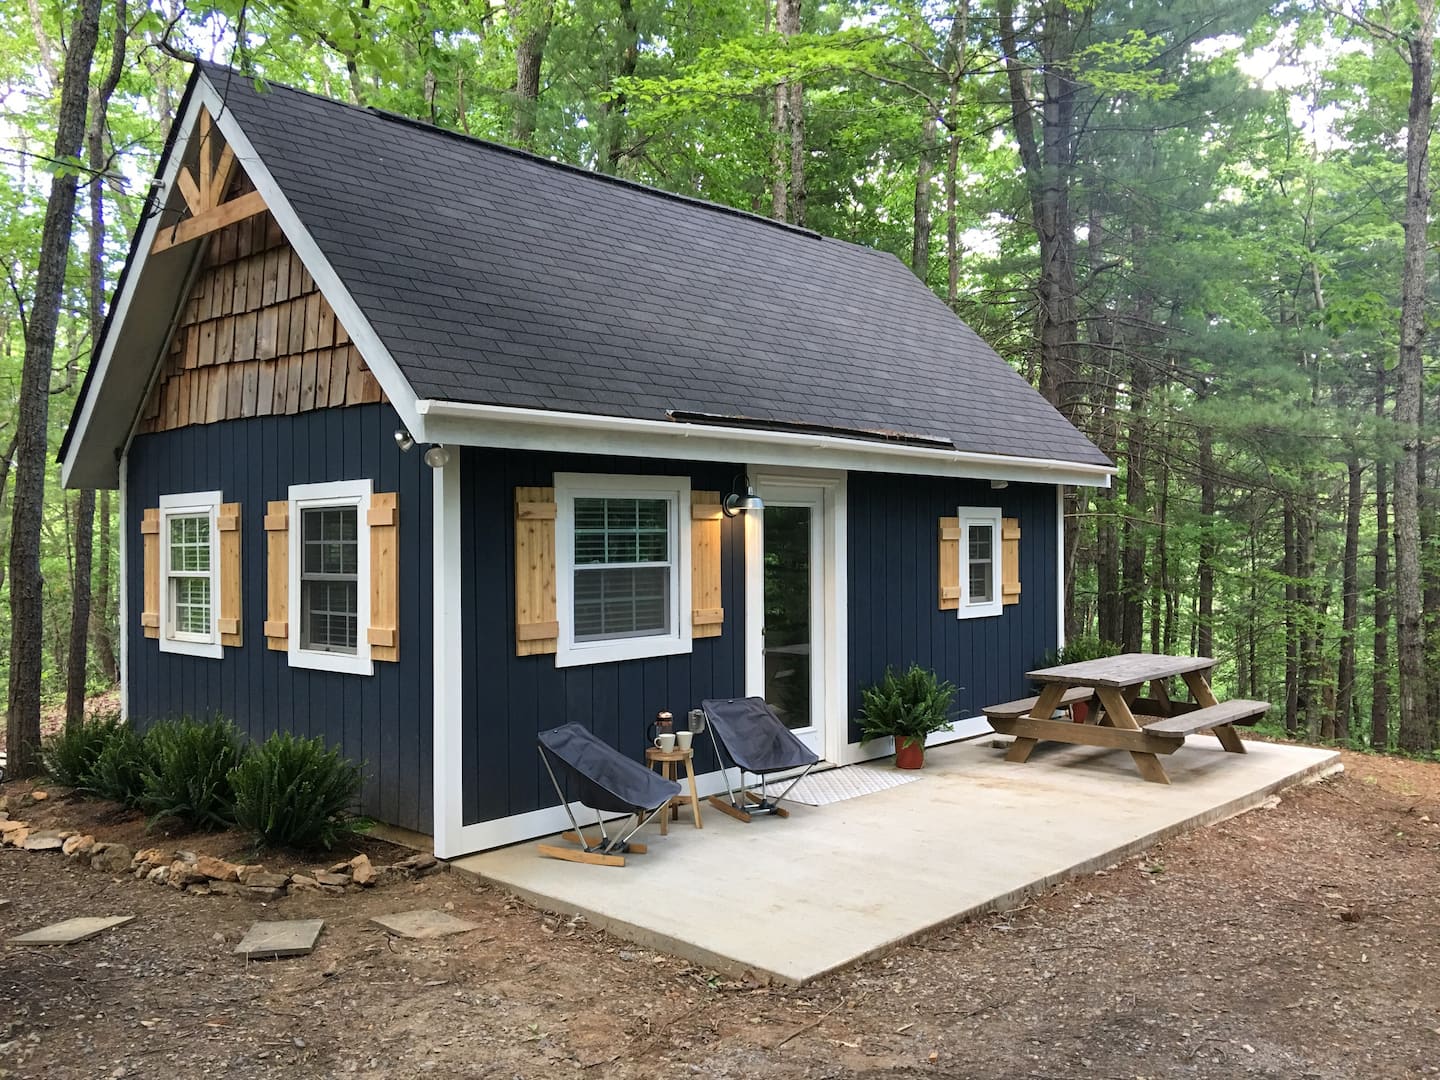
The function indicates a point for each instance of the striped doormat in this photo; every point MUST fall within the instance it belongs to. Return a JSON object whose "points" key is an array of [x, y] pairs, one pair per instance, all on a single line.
{"points": [[837, 785]]}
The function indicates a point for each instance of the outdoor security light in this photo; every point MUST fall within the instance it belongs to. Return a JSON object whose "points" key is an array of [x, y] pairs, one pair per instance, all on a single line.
{"points": [[437, 457], [404, 440], [736, 502]]}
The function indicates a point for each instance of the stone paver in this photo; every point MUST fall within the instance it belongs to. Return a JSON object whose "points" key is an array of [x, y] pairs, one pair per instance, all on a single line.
{"points": [[71, 930], [273, 940], [424, 923]]}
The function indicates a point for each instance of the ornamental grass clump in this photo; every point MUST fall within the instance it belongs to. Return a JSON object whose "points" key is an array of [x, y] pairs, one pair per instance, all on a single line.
{"points": [[292, 792], [69, 755], [187, 776]]}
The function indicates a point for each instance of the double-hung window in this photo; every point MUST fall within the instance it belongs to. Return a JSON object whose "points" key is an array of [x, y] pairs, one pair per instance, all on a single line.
{"points": [[980, 536], [189, 558], [623, 567], [329, 576]]}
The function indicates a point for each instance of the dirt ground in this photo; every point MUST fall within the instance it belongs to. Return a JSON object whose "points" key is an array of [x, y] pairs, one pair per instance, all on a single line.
{"points": [[1302, 941]]}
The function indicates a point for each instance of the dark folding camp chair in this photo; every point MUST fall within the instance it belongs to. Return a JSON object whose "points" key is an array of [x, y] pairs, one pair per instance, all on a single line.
{"points": [[754, 741], [608, 782]]}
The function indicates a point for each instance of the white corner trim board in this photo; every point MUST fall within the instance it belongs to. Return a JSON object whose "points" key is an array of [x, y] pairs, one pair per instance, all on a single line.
{"points": [[544, 429], [448, 771]]}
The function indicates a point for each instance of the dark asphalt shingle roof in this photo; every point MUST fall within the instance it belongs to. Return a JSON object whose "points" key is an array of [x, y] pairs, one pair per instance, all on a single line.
{"points": [[496, 277]]}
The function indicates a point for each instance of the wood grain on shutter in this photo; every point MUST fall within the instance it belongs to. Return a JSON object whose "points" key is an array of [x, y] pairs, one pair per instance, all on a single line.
{"points": [[277, 575], [537, 627], [150, 534], [949, 564], [384, 522], [228, 524], [707, 615], [1010, 560]]}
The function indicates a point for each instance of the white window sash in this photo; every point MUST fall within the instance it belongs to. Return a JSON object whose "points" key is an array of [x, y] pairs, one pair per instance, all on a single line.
{"points": [[675, 491], [341, 493], [982, 517], [202, 504]]}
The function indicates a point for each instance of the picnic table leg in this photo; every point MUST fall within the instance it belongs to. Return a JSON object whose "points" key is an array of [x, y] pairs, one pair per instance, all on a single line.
{"points": [[1121, 717], [1049, 699], [1205, 697]]}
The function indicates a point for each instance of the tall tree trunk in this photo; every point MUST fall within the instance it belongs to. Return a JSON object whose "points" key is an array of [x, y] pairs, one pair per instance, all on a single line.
{"points": [[924, 167], [532, 29], [1308, 616], [1132, 527], [27, 627], [1415, 733], [102, 640], [612, 110], [787, 147], [955, 62], [1380, 684], [1350, 602], [1292, 630], [77, 655], [1205, 585]]}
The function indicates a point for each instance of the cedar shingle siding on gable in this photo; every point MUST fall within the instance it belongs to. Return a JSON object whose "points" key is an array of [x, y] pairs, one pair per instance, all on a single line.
{"points": [[499, 278], [255, 338]]}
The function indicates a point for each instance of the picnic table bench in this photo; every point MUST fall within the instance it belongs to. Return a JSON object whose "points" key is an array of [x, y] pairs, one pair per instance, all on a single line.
{"points": [[1117, 682]]}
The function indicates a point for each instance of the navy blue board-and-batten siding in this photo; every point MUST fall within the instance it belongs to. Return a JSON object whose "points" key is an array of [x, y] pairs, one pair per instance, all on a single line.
{"points": [[383, 720], [508, 698], [895, 616]]}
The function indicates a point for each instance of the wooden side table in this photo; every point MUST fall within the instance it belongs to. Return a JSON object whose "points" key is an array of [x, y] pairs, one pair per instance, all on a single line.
{"points": [[667, 759]]}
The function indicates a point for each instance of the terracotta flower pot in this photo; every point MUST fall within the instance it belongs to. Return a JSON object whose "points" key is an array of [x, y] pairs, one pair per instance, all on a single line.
{"points": [[1080, 711], [909, 753]]}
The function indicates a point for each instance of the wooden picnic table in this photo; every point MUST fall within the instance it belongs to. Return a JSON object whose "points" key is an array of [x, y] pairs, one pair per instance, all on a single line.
{"points": [[1117, 681]]}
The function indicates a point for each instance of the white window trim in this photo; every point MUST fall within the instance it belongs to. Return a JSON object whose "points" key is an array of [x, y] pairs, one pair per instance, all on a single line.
{"points": [[354, 493], [981, 515], [676, 490], [190, 504]]}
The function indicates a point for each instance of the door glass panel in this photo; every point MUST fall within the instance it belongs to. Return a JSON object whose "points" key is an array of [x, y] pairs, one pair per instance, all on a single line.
{"points": [[787, 613]]}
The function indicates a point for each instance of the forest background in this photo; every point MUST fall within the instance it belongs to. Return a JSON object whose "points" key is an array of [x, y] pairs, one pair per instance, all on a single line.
{"points": [[1200, 227]]}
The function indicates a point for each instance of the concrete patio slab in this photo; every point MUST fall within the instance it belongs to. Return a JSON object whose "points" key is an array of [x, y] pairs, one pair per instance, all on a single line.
{"points": [[790, 900], [71, 930], [280, 938]]}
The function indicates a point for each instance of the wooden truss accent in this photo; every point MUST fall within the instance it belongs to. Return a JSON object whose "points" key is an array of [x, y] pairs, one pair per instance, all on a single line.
{"points": [[205, 196]]}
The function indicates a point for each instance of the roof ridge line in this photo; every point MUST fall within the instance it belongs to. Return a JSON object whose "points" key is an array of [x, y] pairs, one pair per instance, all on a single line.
{"points": [[517, 152]]}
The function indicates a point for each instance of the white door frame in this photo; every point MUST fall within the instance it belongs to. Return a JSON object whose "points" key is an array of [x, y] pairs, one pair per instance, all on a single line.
{"points": [[829, 599]]}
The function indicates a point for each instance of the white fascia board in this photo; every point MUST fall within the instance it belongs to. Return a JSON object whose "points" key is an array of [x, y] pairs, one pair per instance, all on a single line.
{"points": [[121, 303], [468, 424], [376, 356]]}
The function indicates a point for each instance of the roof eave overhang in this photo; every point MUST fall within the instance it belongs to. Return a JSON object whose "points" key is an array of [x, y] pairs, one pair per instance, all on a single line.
{"points": [[466, 424]]}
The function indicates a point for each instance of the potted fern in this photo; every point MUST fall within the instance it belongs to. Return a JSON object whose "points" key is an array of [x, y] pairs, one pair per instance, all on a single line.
{"points": [[906, 707]]}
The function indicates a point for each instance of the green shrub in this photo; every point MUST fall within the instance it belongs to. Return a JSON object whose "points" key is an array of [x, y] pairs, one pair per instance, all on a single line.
{"points": [[119, 771], [1079, 649], [909, 706], [293, 792], [68, 756], [187, 775]]}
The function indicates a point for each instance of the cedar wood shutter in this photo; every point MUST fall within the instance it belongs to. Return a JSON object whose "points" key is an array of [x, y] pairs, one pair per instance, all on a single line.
{"points": [[228, 621], [1010, 560], [227, 522], [277, 575], [383, 522], [950, 562], [150, 534], [707, 616], [537, 624]]}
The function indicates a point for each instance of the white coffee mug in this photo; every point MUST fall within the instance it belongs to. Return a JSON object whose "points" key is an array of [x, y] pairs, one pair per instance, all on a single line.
{"points": [[665, 742], [683, 739]]}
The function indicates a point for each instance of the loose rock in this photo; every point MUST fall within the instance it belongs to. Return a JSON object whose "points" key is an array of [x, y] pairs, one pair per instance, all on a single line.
{"points": [[111, 858], [43, 841], [79, 846], [261, 879], [217, 869]]}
